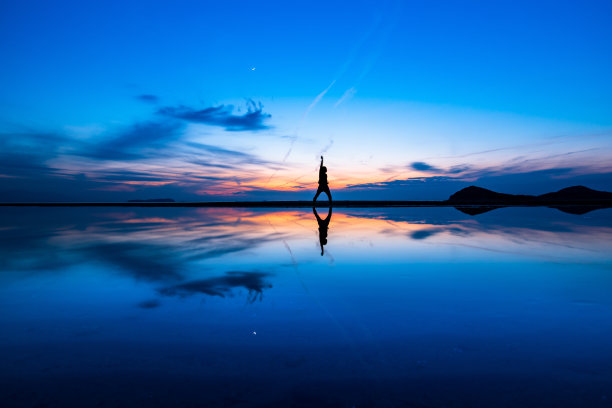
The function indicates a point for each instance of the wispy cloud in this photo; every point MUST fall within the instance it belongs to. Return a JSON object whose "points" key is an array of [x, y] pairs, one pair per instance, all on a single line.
{"points": [[422, 166], [315, 101], [348, 94], [253, 120], [228, 158], [327, 146], [148, 98], [154, 157], [507, 180], [135, 142], [163, 157], [222, 286]]}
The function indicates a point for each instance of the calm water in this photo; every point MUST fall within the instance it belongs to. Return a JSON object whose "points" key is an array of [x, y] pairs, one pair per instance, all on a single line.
{"points": [[423, 307]]}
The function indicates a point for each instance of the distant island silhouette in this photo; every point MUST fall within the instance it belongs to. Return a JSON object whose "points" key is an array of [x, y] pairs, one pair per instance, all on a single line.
{"points": [[574, 200], [153, 200], [575, 194], [471, 200]]}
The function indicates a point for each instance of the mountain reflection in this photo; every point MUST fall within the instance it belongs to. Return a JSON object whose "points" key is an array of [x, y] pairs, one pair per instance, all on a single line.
{"points": [[215, 252], [569, 209]]}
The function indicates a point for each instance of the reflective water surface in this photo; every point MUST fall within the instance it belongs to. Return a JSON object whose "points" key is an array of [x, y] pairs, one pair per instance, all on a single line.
{"points": [[422, 307]]}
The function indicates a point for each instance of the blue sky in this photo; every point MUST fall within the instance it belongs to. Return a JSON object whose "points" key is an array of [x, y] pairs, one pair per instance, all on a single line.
{"points": [[211, 100]]}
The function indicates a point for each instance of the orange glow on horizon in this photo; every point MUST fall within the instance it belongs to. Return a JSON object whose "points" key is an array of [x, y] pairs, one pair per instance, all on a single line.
{"points": [[205, 228]]}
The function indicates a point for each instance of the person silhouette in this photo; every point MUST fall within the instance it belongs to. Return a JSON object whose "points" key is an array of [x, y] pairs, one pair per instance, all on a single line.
{"points": [[323, 186], [323, 227]]}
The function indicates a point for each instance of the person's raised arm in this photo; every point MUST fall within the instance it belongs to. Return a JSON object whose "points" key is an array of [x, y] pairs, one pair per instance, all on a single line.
{"points": [[321, 162]]}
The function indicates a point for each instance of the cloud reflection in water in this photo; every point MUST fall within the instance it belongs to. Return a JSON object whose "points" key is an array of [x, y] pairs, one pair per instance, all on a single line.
{"points": [[212, 252]]}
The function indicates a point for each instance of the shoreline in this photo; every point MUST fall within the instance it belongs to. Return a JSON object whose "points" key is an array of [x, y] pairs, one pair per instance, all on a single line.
{"points": [[309, 204]]}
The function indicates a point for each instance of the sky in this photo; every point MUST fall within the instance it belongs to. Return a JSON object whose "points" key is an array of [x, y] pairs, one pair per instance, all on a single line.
{"points": [[210, 101]]}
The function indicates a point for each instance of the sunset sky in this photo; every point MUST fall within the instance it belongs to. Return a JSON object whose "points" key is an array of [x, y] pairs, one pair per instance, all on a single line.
{"points": [[199, 100]]}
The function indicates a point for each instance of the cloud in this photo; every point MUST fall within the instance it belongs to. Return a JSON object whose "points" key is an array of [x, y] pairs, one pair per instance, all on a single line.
{"points": [[348, 94], [315, 101], [424, 233], [220, 151], [223, 116], [422, 166], [174, 248], [504, 179], [327, 147], [135, 142], [293, 139], [147, 262], [149, 304], [230, 159], [25, 170], [144, 160], [459, 169], [223, 285], [205, 163], [148, 98], [423, 188]]}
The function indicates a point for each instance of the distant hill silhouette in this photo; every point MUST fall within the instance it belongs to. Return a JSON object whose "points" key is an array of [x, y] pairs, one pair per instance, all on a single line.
{"points": [[476, 195], [573, 200], [569, 195], [471, 200], [576, 193], [153, 200]]}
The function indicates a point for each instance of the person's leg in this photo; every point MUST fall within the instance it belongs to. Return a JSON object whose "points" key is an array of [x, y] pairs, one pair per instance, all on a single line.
{"points": [[328, 194], [316, 195]]}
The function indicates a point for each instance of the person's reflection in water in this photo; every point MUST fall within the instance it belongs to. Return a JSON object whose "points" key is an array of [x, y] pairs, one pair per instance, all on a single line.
{"points": [[323, 227]]}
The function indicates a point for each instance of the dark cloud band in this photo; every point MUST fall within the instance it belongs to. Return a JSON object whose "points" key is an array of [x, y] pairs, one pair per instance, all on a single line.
{"points": [[253, 120]]}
